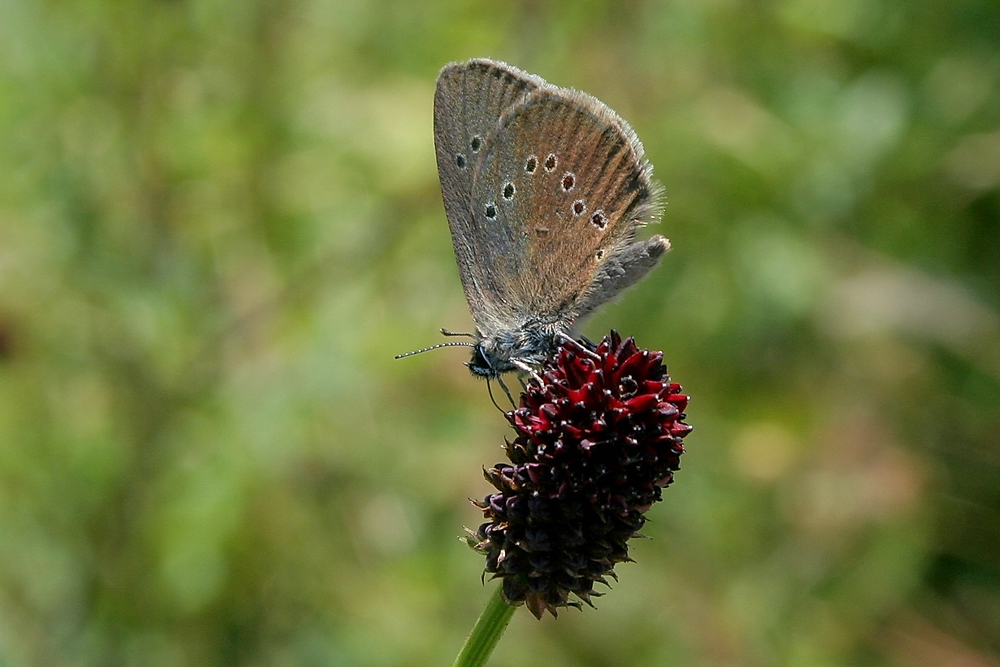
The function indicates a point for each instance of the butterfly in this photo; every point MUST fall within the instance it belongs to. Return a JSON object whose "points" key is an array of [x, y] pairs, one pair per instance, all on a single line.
{"points": [[544, 188]]}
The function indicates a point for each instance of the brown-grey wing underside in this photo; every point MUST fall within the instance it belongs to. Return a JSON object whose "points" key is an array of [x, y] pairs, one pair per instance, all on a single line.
{"points": [[568, 185], [468, 103]]}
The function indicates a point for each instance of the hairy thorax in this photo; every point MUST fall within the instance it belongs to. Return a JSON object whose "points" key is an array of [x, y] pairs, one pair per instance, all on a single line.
{"points": [[519, 349]]}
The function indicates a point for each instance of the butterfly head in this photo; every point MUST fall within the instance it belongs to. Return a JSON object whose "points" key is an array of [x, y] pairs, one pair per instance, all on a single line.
{"points": [[510, 350], [482, 365]]}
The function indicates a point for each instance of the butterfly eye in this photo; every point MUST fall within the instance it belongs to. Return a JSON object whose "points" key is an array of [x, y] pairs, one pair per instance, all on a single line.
{"points": [[531, 164], [460, 160], [476, 142], [598, 219], [508, 191], [579, 206], [551, 162], [491, 211], [568, 181]]}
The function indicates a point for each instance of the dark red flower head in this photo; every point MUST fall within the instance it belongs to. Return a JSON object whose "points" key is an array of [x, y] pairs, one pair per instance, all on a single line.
{"points": [[599, 436]]}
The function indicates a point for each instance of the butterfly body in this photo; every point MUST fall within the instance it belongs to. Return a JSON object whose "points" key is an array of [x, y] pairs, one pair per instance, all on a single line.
{"points": [[544, 188], [515, 347]]}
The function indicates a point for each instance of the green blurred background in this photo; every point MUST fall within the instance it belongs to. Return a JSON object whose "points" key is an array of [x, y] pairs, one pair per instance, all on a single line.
{"points": [[219, 220]]}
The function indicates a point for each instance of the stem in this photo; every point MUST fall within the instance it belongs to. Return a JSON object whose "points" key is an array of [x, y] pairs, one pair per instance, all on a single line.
{"points": [[488, 631]]}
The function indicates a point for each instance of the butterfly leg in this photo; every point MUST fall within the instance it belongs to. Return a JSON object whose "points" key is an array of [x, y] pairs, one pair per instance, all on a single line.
{"points": [[529, 370], [586, 349], [489, 388], [505, 390]]}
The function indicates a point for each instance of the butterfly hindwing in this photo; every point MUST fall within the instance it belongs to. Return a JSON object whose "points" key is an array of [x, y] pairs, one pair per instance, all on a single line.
{"points": [[558, 194]]}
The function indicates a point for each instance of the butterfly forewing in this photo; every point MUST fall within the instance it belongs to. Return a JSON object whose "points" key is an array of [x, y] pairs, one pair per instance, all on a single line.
{"points": [[468, 103]]}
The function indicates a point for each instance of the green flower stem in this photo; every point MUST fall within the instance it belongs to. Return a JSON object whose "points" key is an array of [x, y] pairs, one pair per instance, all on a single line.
{"points": [[488, 631]]}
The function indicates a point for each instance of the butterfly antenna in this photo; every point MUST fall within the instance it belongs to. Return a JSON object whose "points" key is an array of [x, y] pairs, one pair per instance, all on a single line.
{"points": [[445, 332], [434, 347]]}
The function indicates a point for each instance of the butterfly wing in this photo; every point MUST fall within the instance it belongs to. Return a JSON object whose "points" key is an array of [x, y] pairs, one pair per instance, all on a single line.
{"points": [[557, 195], [468, 103]]}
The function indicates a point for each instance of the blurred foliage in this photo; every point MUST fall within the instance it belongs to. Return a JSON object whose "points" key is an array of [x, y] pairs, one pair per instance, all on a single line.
{"points": [[219, 220]]}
